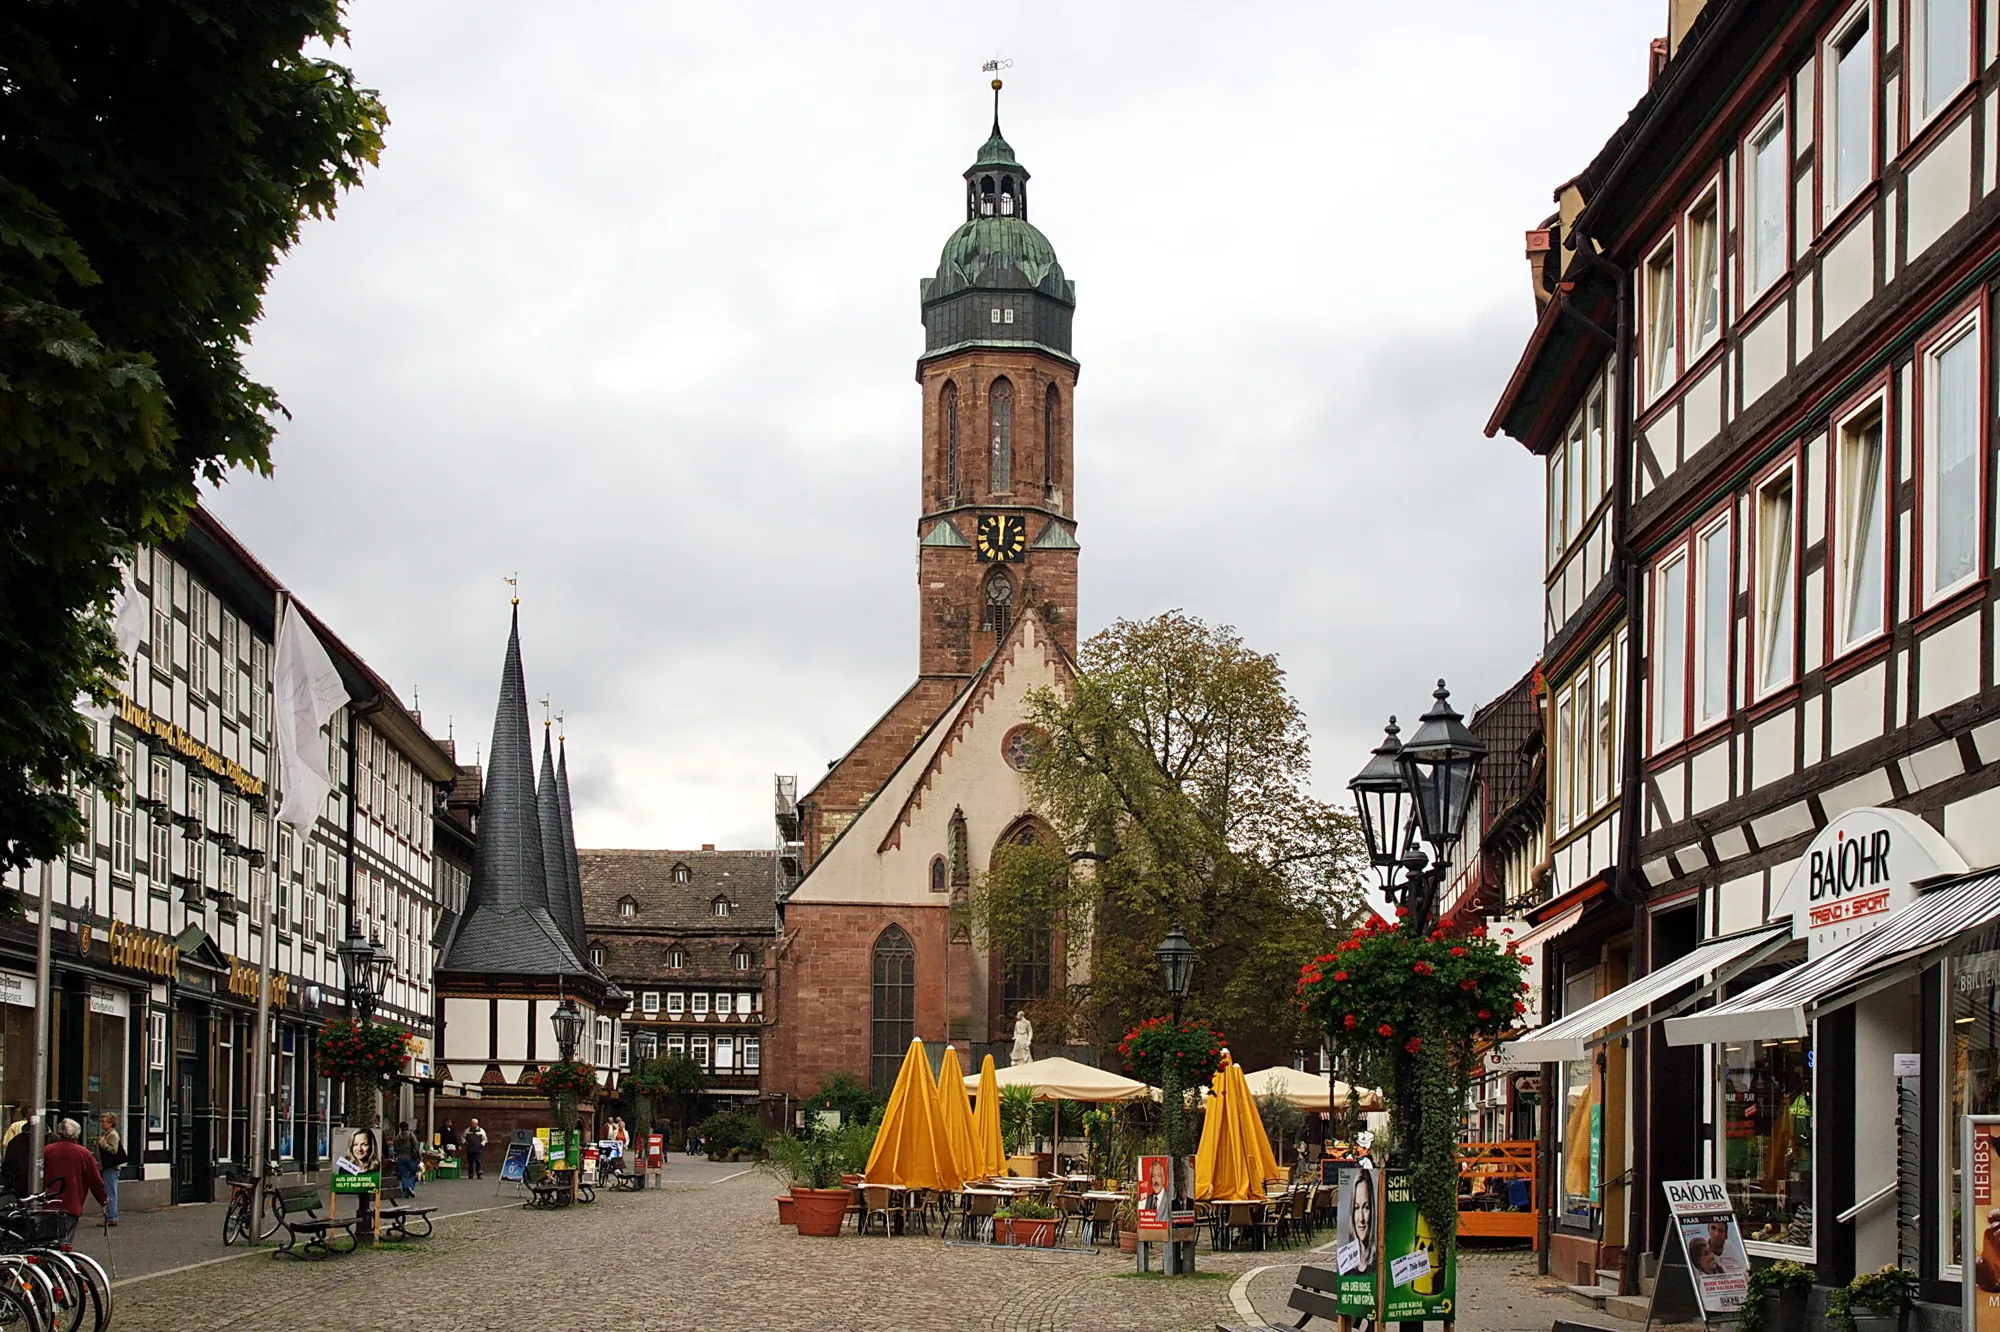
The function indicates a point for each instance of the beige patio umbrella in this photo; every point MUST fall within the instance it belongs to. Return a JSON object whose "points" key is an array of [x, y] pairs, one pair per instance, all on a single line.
{"points": [[1308, 1091]]}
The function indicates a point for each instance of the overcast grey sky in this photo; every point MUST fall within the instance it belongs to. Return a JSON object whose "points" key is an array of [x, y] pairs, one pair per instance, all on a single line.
{"points": [[630, 307]]}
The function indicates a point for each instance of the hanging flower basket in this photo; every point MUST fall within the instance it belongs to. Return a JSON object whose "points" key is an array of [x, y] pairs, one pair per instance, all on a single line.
{"points": [[1193, 1049], [350, 1050], [1383, 991], [567, 1078]]}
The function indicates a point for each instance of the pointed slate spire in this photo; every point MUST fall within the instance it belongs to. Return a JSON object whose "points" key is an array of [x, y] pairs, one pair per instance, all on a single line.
{"points": [[549, 819], [569, 858], [507, 926]]}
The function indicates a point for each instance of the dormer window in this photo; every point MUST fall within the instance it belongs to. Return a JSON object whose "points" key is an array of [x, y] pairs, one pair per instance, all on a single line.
{"points": [[681, 874], [719, 907], [597, 955], [627, 908], [676, 959], [742, 959]]}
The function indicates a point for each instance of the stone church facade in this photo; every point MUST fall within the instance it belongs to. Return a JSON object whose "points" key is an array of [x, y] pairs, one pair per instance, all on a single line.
{"points": [[876, 945]]}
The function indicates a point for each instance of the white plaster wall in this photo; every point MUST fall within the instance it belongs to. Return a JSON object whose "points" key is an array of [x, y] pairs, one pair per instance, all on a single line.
{"points": [[1771, 748], [1949, 666], [1847, 276], [1701, 412], [1940, 187], [1857, 708], [1885, 1024], [1763, 355], [465, 1034], [513, 1029]]}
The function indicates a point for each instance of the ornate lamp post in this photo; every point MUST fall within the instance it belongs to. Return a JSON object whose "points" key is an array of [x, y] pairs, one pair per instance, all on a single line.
{"points": [[364, 965], [568, 1022], [1177, 961]]}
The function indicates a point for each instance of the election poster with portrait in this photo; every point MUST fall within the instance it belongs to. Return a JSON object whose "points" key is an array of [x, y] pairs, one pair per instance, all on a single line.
{"points": [[358, 1168], [1981, 1218], [1718, 1266], [1356, 1237]]}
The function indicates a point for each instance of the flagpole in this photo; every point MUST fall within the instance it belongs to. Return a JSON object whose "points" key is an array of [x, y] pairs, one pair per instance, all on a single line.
{"points": [[260, 1075], [38, 1111]]}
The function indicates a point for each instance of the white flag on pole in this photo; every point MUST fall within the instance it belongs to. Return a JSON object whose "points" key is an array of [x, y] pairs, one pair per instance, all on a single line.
{"points": [[129, 619], [307, 691]]}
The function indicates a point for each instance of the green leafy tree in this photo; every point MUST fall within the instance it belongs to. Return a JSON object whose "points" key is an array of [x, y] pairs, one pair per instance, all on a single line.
{"points": [[156, 159], [1175, 782]]}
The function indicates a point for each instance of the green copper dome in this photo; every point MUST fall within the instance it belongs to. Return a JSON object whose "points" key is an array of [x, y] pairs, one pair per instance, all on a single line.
{"points": [[998, 252], [996, 152]]}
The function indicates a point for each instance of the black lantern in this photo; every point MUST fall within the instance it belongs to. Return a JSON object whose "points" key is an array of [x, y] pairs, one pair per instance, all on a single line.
{"points": [[365, 967], [1440, 763], [568, 1020], [1177, 959], [1382, 798], [645, 1047]]}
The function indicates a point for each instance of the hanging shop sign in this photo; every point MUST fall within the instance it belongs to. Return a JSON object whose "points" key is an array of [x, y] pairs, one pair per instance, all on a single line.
{"points": [[143, 950], [1718, 1267], [177, 739], [243, 983], [1861, 869]]}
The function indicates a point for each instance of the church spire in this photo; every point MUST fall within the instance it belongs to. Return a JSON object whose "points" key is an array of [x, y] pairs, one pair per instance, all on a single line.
{"points": [[548, 806], [996, 184], [567, 821]]}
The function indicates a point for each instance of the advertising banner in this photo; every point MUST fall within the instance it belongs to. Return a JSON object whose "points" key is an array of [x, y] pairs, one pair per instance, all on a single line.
{"points": [[589, 1175], [1357, 1237], [1156, 1191], [1718, 1266], [1419, 1276], [1981, 1213], [358, 1168], [515, 1168], [656, 1151]]}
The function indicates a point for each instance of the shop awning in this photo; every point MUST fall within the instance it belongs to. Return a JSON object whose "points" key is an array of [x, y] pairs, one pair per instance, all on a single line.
{"points": [[1571, 1037], [1783, 1008]]}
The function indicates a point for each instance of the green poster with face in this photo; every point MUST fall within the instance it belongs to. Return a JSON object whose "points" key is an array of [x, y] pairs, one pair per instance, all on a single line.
{"points": [[1420, 1268]]}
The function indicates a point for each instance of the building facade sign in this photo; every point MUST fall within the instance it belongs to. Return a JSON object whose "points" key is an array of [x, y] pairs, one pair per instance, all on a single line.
{"points": [[1862, 868], [187, 746], [243, 983], [143, 950]]}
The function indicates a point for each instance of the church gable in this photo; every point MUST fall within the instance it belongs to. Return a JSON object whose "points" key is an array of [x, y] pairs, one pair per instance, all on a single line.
{"points": [[962, 768]]}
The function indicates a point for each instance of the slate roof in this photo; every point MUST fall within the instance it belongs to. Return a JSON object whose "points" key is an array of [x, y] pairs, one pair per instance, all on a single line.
{"points": [[566, 817], [747, 878], [507, 927], [567, 911]]}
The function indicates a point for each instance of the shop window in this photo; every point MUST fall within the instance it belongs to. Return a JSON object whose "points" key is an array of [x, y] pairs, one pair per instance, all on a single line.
{"points": [[1766, 1089], [1581, 1151], [1972, 1040]]}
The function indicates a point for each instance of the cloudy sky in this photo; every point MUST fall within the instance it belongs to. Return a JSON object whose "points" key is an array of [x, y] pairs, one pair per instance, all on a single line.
{"points": [[630, 307]]}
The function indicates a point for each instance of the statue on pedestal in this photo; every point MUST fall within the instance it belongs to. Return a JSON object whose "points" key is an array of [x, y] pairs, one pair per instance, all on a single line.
{"points": [[1024, 1041]]}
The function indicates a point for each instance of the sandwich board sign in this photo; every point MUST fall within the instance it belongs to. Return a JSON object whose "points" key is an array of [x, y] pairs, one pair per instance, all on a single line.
{"points": [[1711, 1246]]}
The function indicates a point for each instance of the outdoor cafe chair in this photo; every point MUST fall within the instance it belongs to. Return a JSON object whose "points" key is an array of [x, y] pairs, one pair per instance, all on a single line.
{"points": [[880, 1200], [979, 1211], [1101, 1220]]}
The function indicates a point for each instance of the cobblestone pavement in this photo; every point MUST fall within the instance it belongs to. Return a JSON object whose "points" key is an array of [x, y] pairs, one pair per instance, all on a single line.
{"points": [[1499, 1290], [690, 1258]]}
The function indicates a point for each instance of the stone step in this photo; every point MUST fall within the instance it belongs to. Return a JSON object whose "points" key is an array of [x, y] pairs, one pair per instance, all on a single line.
{"points": [[1647, 1285], [1608, 1278], [1633, 1307], [1590, 1296]]}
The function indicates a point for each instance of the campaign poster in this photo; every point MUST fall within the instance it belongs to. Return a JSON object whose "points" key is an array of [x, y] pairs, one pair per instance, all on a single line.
{"points": [[1357, 1238], [656, 1151], [1982, 1225], [515, 1168], [1419, 1267], [589, 1175], [1156, 1192], [1718, 1267], [358, 1168]]}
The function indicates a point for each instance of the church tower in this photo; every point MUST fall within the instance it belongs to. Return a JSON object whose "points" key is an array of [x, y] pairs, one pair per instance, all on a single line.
{"points": [[997, 534]]}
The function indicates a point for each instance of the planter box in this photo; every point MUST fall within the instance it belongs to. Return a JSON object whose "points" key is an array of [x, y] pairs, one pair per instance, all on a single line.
{"points": [[1785, 1311], [1867, 1320], [1030, 1233], [819, 1211], [1128, 1241], [785, 1204]]}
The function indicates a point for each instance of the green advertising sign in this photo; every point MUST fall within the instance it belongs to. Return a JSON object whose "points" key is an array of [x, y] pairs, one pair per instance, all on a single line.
{"points": [[1420, 1268]]}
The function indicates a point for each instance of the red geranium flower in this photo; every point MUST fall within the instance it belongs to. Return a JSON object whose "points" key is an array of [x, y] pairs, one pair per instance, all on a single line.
{"points": [[1520, 1007], [1385, 1030], [1340, 975], [1485, 1013], [1457, 952], [1414, 1044], [1351, 1020]]}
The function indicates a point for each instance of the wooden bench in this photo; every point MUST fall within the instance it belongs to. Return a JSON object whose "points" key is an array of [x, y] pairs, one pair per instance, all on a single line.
{"points": [[298, 1214], [1313, 1295], [396, 1222]]}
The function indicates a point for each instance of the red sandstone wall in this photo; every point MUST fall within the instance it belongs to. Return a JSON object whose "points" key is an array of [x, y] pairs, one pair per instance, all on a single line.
{"points": [[825, 1004]]}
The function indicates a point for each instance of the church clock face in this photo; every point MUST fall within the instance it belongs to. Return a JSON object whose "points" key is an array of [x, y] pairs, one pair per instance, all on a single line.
{"points": [[1002, 536]]}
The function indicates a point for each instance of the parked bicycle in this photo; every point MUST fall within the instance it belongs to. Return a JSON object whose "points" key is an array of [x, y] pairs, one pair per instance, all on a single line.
{"points": [[236, 1218], [46, 1285]]}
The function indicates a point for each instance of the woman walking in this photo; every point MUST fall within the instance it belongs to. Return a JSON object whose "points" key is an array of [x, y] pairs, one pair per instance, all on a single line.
{"points": [[110, 1156]]}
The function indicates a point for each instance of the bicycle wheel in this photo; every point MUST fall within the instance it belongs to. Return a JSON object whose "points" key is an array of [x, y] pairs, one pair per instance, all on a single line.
{"points": [[99, 1282], [274, 1215], [17, 1313], [32, 1287], [235, 1221], [72, 1296]]}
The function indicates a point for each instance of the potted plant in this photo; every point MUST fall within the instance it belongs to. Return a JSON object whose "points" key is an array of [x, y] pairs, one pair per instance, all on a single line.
{"points": [[812, 1166], [1032, 1223], [1128, 1226], [1003, 1224], [1774, 1299], [1877, 1301]]}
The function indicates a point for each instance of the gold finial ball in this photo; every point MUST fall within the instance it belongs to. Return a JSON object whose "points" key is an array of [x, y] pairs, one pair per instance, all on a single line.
{"points": [[996, 85]]}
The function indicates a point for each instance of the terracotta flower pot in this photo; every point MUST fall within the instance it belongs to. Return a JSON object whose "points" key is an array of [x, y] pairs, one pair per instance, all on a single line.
{"points": [[1032, 1233], [819, 1211], [1128, 1241], [785, 1210]]}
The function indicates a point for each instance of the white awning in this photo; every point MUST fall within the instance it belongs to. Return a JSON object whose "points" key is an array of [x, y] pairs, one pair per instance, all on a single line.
{"points": [[1783, 1007], [1571, 1037]]}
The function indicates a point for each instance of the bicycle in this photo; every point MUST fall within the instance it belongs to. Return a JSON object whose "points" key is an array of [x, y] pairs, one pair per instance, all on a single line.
{"points": [[57, 1285], [236, 1218]]}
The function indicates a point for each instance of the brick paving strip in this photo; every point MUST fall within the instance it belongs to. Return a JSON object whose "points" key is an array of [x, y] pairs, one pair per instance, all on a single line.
{"points": [[703, 1257]]}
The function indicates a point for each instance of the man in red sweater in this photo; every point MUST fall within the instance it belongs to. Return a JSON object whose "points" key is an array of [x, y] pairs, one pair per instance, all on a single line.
{"points": [[69, 1171]]}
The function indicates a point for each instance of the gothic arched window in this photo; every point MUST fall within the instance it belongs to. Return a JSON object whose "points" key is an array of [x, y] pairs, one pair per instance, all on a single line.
{"points": [[1049, 440], [893, 979], [999, 604], [940, 876], [1006, 196], [1002, 459], [949, 410]]}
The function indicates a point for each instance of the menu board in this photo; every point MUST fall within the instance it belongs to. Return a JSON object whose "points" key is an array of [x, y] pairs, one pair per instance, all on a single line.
{"points": [[1718, 1267]]}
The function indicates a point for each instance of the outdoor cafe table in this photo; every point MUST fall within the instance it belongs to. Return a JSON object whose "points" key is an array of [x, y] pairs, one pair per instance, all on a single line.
{"points": [[1225, 1224]]}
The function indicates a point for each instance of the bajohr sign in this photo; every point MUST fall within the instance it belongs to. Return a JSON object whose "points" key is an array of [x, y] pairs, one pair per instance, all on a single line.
{"points": [[1860, 870]]}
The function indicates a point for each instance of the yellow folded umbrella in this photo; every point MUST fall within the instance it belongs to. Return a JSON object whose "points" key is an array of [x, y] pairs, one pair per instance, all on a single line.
{"points": [[1217, 1169], [955, 1117], [989, 1155], [1259, 1161], [911, 1141]]}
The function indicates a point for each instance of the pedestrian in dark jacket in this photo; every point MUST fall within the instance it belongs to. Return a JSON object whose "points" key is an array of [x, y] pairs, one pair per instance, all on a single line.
{"points": [[409, 1158], [17, 1161], [475, 1150], [69, 1172]]}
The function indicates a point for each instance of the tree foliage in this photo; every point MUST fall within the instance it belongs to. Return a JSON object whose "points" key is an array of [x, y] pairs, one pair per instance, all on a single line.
{"points": [[156, 159], [1174, 780]]}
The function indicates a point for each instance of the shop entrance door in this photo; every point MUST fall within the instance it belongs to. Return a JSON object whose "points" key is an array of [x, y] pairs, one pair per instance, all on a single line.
{"points": [[191, 1173]]}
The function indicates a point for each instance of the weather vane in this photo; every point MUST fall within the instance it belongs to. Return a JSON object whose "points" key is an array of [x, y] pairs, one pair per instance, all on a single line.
{"points": [[514, 582], [559, 727], [545, 711], [993, 67]]}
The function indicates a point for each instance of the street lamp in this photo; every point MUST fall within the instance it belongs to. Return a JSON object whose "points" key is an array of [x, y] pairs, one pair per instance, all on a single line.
{"points": [[1439, 764], [568, 1020], [645, 1047], [1177, 959], [1419, 788], [365, 967]]}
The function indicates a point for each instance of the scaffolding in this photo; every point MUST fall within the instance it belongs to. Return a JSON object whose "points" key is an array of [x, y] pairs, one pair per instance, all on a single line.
{"points": [[790, 857]]}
